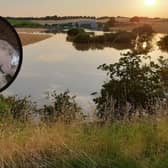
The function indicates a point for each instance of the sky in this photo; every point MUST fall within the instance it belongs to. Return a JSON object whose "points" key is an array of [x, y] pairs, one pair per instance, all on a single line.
{"points": [[83, 8]]}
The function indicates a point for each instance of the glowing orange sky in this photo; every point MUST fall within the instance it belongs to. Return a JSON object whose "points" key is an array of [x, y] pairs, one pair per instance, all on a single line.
{"points": [[83, 7]]}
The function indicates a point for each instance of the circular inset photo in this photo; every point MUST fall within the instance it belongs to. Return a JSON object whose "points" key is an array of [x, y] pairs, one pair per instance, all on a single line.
{"points": [[10, 54]]}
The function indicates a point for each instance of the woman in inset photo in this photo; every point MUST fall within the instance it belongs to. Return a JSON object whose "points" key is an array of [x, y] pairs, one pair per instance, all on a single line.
{"points": [[10, 54]]}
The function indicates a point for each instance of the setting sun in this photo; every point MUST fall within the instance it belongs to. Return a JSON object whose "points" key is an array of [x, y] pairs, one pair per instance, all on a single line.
{"points": [[150, 2]]}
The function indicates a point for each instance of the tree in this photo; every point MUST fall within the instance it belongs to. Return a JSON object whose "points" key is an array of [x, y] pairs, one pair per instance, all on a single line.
{"points": [[132, 81]]}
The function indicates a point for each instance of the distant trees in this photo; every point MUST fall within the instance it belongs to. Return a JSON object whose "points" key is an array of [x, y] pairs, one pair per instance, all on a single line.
{"points": [[133, 84], [110, 23], [135, 19], [75, 31]]}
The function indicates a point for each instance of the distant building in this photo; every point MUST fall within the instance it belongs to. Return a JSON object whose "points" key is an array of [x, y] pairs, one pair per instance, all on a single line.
{"points": [[89, 23], [71, 23]]}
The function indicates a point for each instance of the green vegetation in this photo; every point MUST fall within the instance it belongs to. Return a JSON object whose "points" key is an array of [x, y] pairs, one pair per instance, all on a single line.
{"points": [[133, 80], [75, 31], [129, 131], [163, 43], [63, 107], [24, 23], [79, 36]]}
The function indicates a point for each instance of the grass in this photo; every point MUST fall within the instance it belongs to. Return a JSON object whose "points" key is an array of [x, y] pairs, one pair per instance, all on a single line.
{"points": [[24, 23], [136, 144]]}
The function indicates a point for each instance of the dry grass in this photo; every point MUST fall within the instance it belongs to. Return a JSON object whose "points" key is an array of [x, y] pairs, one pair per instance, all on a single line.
{"points": [[28, 38], [136, 144]]}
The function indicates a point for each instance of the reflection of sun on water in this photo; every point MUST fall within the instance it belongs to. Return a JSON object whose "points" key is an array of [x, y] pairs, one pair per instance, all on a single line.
{"points": [[150, 2]]}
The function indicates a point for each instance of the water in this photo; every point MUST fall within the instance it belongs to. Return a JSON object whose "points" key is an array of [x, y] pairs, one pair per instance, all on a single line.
{"points": [[55, 64]]}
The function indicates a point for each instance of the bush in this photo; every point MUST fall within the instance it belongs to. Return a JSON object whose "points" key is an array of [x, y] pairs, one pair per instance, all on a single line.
{"points": [[63, 107], [131, 81], [82, 38], [20, 109], [124, 37], [145, 29], [163, 43], [75, 32]]}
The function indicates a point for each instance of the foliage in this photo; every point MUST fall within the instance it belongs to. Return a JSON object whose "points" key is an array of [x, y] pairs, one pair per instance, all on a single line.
{"points": [[63, 107], [145, 29], [136, 80], [4, 107], [75, 31], [163, 43], [82, 38], [20, 109], [164, 72], [24, 23]]}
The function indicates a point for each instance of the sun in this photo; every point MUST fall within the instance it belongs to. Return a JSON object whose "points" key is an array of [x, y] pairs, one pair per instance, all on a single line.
{"points": [[150, 2]]}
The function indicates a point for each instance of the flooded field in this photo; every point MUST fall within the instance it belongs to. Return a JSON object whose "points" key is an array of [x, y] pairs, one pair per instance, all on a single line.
{"points": [[56, 64]]}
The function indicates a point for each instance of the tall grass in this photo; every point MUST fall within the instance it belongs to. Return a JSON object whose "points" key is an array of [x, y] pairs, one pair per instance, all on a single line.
{"points": [[136, 144]]}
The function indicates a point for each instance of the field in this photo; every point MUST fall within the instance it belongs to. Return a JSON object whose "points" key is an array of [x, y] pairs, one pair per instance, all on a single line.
{"points": [[23, 23], [136, 144], [158, 27], [29, 38]]}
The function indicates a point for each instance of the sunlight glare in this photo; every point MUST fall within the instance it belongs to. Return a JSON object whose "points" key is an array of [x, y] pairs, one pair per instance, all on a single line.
{"points": [[150, 2]]}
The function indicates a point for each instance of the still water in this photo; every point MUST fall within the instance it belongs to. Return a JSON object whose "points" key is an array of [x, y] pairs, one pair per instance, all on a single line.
{"points": [[55, 64]]}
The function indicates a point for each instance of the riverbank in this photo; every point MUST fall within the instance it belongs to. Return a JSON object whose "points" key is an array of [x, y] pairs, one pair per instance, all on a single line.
{"points": [[30, 38]]}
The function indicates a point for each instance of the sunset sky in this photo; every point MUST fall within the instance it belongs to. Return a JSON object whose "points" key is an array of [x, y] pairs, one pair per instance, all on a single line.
{"points": [[83, 7]]}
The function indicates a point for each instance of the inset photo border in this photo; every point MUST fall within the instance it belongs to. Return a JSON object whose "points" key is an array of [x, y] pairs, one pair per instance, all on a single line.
{"points": [[9, 43]]}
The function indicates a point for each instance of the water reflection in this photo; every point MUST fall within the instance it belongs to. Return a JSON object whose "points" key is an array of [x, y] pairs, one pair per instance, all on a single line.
{"points": [[55, 64], [99, 46], [142, 44]]}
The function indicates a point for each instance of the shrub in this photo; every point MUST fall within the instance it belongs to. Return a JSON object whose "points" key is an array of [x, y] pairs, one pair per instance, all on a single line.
{"points": [[163, 43], [75, 32], [82, 38], [131, 81], [63, 107], [145, 29]]}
